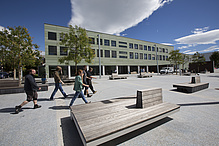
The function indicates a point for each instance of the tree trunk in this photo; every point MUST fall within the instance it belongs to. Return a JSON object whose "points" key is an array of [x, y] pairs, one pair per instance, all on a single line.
{"points": [[19, 75], [14, 73], [76, 68], [176, 69]]}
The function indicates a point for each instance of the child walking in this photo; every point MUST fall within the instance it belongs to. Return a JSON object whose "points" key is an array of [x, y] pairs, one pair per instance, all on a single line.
{"points": [[78, 87]]}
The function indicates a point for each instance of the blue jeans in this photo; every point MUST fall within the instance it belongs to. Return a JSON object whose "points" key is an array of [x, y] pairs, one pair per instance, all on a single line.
{"points": [[58, 86], [76, 95]]}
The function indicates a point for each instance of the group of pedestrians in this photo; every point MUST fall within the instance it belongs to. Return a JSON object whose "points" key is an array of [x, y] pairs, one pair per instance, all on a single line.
{"points": [[83, 80]]}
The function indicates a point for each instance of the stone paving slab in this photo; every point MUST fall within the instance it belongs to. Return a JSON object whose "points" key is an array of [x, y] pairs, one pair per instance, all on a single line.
{"points": [[195, 124]]}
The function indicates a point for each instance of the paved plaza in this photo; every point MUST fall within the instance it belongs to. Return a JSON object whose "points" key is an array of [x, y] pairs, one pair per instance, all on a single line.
{"points": [[197, 122]]}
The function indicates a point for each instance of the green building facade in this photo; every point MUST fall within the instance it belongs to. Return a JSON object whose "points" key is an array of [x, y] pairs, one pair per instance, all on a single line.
{"points": [[121, 54]]}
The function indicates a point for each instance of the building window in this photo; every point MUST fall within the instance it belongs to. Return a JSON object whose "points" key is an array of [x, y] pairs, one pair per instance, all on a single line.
{"points": [[114, 55], [149, 48], [131, 55], [160, 49], [61, 37], [51, 36], [140, 47], [63, 51], [121, 46], [163, 50], [160, 57], [166, 57], [52, 50], [101, 52], [166, 50], [123, 43], [163, 57], [145, 47], [153, 48], [136, 46], [149, 56], [122, 56], [92, 40], [113, 43], [122, 52], [145, 56], [153, 57], [106, 43], [136, 55], [107, 53], [130, 45], [101, 41], [141, 55]]}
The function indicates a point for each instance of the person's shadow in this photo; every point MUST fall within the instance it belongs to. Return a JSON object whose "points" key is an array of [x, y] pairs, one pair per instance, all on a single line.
{"points": [[12, 110]]}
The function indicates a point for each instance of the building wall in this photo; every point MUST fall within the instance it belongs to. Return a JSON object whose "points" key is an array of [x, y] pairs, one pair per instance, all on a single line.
{"points": [[122, 49]]}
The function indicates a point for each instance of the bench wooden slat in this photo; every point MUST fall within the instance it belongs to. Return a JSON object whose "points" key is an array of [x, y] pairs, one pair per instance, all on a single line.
{"points": [[112, 125]]}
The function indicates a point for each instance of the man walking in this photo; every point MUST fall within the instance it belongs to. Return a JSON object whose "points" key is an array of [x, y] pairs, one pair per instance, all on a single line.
{"points": [[30, 88], [58, 83]]}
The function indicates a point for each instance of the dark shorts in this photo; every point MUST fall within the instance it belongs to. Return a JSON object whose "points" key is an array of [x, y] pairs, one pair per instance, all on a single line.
{"points": [[31, 95]]}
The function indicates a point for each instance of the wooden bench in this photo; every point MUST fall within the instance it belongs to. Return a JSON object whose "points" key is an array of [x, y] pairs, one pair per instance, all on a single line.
{"points": [[106, 120], [144, 75], [8, 83], [12, 86], [194, 86], [116, 76]]}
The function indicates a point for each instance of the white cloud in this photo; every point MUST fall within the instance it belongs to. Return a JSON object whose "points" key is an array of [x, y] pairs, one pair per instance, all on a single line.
{"points": [[200, 37], [210, 49], [168, 44], [112, 16], [200, 30]]}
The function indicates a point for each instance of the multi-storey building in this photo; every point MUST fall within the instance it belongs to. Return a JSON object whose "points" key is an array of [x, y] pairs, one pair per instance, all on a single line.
{"points": [[121, 54]]}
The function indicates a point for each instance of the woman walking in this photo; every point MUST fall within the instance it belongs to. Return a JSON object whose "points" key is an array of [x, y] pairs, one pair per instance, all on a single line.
{"points": [[89, 79], [78, 87], [58, 83]]}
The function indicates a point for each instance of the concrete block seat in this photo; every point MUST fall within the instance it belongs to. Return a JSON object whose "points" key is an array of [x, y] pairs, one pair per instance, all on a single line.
{"points": [[144, 75], [116, 76], [103, 121], [12, 86], [194, 86]]}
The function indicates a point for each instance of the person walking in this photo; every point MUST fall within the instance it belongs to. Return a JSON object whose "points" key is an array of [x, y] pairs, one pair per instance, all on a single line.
{"points": [[30, 88], [78, 87], [84, 78], [89, 79], [58, 83]]}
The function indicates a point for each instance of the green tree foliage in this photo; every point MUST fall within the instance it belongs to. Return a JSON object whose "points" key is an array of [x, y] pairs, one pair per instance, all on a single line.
{"points": [[215, 57], [77, 45], [175, 58], [18, 49], [198, 59]]}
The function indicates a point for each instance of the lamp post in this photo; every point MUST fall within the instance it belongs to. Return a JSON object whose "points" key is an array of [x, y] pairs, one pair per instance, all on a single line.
{"points": [[157, 60], [99, 56]]}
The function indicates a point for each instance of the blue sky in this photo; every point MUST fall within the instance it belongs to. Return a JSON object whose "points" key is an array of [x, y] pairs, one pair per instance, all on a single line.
{"points": [[188, 25]]}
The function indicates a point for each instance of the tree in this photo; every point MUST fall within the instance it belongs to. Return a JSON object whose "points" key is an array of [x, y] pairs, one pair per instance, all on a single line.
{"points": [[215, 57], [18, 49], [175, 58], [77, 45], [199, 59], [185, 59]]}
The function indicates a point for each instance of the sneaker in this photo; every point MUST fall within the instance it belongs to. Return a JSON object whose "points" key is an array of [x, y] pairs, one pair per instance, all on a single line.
{"points": [[94, 92], [51, 99], [37, 106], [88, 95], [66, 96], [17, 109], [88, 102]]}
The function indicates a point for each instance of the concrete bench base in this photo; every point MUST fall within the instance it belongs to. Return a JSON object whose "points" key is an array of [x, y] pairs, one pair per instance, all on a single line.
{"points": [[190, 88], [144, 76], [103, 121], [19, 89]]}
